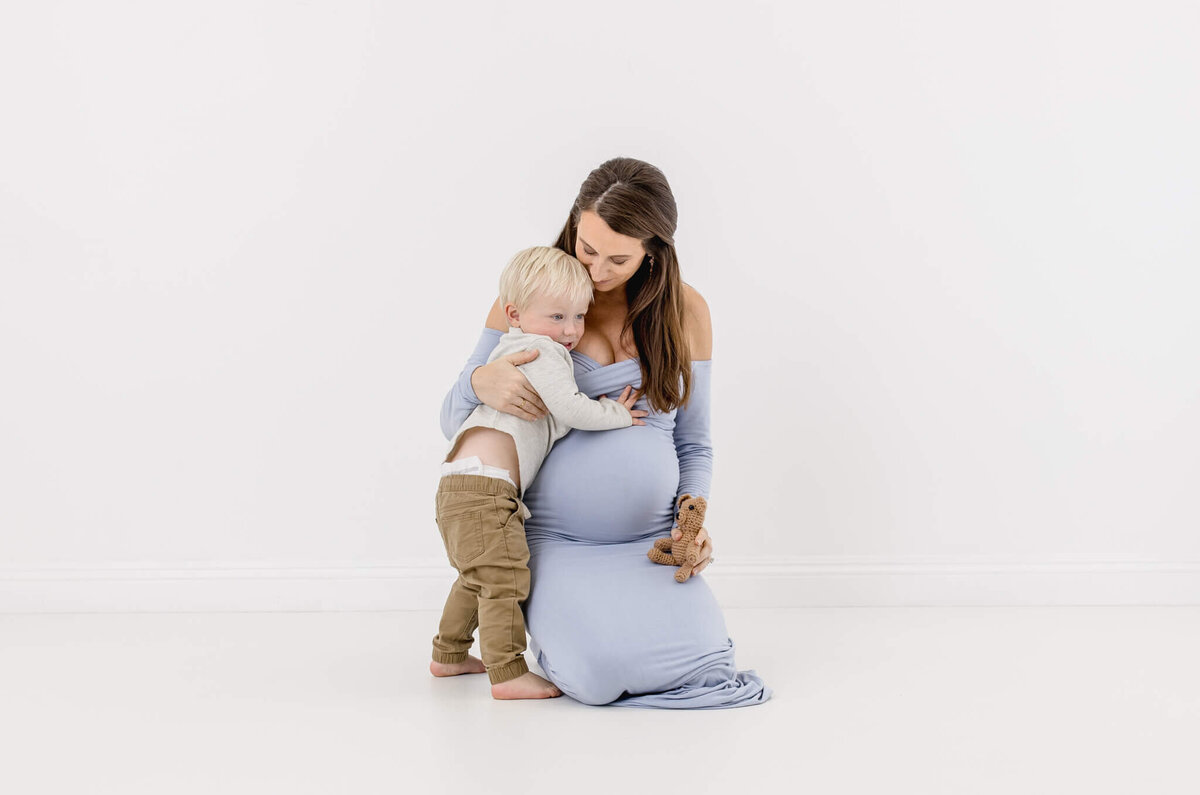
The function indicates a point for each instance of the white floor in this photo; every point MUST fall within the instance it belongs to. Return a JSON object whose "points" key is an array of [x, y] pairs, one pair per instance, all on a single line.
{"points": [[867, 700]]}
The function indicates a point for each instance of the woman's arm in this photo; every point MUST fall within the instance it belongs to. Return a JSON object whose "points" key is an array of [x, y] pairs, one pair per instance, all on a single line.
{"points": [[693, 443], [461, 400], [499, 384]]}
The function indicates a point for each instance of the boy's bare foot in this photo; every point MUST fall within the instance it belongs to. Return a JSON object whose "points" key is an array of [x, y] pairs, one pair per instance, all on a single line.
{"points": [[527, 685], [471, 665]]}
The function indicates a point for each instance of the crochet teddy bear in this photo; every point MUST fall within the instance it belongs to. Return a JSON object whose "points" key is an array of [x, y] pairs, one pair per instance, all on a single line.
{"points": [[684, 553]]}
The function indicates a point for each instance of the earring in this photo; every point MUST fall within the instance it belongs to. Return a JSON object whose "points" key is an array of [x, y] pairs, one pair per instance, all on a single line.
{"points": [[652, 265]]}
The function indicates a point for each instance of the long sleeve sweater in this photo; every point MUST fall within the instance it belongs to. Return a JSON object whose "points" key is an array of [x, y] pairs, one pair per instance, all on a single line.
{"points": [[693, 442], [552, 375]]}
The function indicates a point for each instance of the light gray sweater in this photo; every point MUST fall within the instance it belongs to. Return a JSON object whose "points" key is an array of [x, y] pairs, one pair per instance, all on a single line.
{"points": [[552, 375]]}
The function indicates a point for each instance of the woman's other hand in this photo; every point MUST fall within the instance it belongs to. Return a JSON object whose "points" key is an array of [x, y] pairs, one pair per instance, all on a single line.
{"points": [[705, 543], [502, 386], [628, 397]]}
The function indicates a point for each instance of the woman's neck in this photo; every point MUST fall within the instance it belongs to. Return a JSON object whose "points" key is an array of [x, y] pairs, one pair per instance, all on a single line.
{"points": [[611, 303], [603, 337]]}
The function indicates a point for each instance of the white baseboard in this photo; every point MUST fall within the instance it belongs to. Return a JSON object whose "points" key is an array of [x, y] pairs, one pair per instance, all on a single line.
{"points": [[746, 583]]}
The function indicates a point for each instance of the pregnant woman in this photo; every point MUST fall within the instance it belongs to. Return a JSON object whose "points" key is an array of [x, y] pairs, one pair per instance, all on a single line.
{"points": [[607, 625]]}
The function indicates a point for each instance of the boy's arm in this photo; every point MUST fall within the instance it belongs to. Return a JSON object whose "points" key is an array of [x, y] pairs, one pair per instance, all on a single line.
{"points": [[554, 380]]}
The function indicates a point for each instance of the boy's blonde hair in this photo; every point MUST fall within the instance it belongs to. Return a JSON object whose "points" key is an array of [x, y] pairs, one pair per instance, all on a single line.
{"points": [[547, 271]]}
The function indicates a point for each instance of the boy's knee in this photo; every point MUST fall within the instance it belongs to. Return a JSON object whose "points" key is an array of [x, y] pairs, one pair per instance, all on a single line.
{"points": [[502, 582]]}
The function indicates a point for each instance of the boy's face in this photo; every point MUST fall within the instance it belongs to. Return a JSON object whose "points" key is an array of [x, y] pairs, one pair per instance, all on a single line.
{"points": [[559, 318]]}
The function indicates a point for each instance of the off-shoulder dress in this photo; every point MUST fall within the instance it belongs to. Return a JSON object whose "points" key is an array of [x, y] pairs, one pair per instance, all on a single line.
{"points": [[607, 625]]}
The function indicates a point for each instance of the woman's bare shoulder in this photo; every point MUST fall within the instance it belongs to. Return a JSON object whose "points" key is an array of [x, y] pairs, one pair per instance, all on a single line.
{"points": [[496, 319], [698, 322]]}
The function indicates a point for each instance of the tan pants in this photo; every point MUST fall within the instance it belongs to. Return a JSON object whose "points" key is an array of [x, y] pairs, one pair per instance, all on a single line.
{"points": [[481, 525]]}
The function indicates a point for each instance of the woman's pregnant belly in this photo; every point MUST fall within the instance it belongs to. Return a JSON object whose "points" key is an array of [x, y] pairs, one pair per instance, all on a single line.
{"points": [[605, 487]]}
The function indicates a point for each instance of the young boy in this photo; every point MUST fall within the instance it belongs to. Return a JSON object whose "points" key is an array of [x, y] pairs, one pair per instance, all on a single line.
{"points": [[495, 456]]}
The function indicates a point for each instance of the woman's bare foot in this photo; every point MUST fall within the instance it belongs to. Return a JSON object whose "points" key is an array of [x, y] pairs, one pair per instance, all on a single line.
{"points": [[527, 685], [471, 665]]}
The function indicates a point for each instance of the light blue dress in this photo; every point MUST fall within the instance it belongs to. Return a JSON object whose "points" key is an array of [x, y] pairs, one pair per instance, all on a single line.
{"points": [[607, 625]]}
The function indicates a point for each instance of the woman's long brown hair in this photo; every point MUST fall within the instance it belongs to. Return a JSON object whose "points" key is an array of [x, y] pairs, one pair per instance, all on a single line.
{"points": [[634, 199]]}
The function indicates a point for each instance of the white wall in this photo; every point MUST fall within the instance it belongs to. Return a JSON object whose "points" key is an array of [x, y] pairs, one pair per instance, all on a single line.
{"points": [[950, 252]]}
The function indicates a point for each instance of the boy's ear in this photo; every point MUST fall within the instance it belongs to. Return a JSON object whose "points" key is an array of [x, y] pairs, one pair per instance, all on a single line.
{"points": [[512, 315]]}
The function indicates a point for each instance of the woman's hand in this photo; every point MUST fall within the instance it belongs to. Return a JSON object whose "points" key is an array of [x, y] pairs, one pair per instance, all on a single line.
{"points": [[628, 397], [705, 543], [502, 386]]}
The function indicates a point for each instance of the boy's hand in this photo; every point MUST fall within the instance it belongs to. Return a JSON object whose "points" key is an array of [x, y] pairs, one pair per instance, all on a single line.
{"points": [[628, 397]]}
